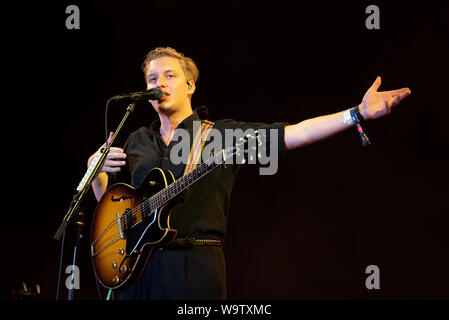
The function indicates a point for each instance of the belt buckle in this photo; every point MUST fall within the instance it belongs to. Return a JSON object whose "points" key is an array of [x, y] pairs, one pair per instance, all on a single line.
{"points": [[189, 241]]}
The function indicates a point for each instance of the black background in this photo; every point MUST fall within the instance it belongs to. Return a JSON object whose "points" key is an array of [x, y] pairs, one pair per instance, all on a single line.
{"points": [[331, 210]]}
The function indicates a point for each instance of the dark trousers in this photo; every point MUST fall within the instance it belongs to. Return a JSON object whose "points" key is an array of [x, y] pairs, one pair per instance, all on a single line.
{"points": [[181, 274]]}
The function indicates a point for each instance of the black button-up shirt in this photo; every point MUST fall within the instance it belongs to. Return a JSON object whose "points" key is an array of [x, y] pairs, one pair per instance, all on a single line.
{"points": [[205, 207]]}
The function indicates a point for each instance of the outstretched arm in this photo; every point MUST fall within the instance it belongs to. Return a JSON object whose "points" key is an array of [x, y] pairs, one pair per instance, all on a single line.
{"points": [[375, 104]]}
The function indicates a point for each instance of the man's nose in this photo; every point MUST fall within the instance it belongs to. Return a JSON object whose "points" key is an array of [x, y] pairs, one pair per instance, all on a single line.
{"points": [[161, 82]]}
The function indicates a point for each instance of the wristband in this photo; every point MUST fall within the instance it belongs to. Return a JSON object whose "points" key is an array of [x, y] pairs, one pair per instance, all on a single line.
{"points": [[357, 119], [347, 118]]}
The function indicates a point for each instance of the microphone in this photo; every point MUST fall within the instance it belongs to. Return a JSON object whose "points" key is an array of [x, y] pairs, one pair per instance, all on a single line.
{"points": [[152, 94]]}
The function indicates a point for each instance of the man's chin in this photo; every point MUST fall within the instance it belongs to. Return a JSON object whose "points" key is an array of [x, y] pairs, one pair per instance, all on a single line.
{"points": [[164, 107]]}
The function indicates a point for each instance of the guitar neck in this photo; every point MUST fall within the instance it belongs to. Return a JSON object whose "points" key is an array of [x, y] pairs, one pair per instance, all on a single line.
{"points": [[184, 182]]}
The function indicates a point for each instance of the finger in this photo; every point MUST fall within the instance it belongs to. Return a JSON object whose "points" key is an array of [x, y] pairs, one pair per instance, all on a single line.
{"points": [[116, 150], [111, 169], [114, 163], [376, 84], [402, 95], [403, 92], [397, 91], [116, 155], [111, 134], [396, 98]]}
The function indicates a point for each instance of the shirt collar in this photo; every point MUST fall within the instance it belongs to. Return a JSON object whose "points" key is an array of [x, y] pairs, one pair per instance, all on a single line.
{"points": [[198, 114]]}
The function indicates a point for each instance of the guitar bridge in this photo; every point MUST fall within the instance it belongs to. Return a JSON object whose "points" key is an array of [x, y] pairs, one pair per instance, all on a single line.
{"points": [[119, 226]]}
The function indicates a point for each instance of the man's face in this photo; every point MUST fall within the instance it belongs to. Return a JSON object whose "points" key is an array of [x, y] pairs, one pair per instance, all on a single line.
{"points": [[166, 74]]}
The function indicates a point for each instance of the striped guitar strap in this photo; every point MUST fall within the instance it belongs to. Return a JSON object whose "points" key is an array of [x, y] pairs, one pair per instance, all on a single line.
{"points": [[197, 145]]}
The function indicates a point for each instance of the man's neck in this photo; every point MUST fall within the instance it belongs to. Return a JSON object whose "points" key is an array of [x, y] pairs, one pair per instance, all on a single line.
{"points": [[170, 121]]}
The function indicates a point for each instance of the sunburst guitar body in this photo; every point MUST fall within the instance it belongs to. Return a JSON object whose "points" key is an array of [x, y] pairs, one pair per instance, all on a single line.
{"points": [[127, 228]]}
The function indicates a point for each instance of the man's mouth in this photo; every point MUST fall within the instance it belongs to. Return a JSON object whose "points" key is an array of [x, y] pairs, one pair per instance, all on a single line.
{"points": [[164, 96]]}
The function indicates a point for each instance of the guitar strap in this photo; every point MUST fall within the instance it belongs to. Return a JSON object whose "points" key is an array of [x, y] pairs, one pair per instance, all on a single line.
{"points": [[198, 144]]}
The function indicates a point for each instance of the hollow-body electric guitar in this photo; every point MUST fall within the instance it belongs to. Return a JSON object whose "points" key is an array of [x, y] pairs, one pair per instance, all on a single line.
{"points": [[130, 223]]}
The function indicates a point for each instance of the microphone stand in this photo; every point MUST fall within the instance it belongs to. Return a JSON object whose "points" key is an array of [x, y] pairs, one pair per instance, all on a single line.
{"points": [[74, 209]]}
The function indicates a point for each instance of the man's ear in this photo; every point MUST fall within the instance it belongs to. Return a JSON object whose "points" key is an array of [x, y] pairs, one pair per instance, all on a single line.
{"points": [[191, 87]]}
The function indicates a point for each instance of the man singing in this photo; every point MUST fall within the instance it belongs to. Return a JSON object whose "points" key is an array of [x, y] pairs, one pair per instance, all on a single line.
{"points": [[197, 270]]}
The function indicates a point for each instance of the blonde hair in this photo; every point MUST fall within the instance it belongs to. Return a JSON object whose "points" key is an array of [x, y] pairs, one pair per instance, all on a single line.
{"points": [[187, 64]]}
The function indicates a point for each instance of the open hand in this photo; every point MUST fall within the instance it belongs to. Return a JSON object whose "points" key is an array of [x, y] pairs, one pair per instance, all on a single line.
{"points": [[376, 104]]}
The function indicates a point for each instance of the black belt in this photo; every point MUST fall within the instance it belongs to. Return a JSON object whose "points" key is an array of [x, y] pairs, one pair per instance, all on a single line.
{"points": [[190, 242]]}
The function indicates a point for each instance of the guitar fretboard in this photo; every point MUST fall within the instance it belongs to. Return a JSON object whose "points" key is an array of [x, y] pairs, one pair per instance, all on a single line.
{"points": [[180, 185]]}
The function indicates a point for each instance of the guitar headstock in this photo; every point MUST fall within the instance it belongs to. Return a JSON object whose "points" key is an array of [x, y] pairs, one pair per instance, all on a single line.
{"points": [[247, 148]]}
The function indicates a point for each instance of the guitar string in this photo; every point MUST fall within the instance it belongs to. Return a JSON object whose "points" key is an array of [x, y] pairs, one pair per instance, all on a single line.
{"points": [[159, 199], [155, 199], [222, 155], [106, 229], [159, 195], [142, 207], [171, 188], [134, 212], [117, 235]]}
